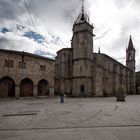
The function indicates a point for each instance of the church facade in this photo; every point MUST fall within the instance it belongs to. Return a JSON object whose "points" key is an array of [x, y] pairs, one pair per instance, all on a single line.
{"points": [[79, 71]]}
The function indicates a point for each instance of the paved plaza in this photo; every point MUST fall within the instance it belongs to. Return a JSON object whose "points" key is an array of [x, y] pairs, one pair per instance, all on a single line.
{"points": [[76, 119]]}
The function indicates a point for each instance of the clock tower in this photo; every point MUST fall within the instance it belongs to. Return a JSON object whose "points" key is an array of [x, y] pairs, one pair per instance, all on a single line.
{"points": [[82, 46], [130, 63]]}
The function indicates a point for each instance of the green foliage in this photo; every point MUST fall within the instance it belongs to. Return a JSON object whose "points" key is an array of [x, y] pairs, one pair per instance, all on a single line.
{"points": [[120, 94]]}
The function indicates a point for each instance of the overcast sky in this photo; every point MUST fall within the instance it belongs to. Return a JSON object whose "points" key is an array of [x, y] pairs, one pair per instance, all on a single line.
{"points": [[113, 20]]}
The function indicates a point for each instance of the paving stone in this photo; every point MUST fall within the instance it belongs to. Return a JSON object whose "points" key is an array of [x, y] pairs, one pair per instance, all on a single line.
{"points": [[76, 119]]}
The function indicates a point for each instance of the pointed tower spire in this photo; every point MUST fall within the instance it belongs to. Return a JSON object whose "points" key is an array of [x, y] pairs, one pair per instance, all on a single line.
{"points": [[99, 50], [130, 45], [131, 63], [82, 5], [83, 16]]}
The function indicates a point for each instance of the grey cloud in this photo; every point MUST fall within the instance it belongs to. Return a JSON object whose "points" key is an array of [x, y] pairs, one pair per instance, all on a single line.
{"points": [[120, 43], [136, 2], [10, 9], [137, 67], [131, 23], [103, 34], [55, 11], [48, 12], [121, 3], [6, 43], [59, 15]]}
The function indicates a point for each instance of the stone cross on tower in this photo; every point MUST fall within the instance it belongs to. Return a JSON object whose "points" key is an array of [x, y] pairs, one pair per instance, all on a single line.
{"points": [[82, 4], [83, 16]]}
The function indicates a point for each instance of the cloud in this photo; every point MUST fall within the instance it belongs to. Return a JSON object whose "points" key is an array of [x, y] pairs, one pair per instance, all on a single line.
{"points": [[15, 42], [9, 9], [114, 21], [12, 41], [120, 18], [102, 35], [122, 4]]}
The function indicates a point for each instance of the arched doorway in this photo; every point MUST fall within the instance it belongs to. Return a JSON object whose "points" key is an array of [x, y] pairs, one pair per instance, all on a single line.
{"points": [[43, 88], [26, 88], [7, 87]]}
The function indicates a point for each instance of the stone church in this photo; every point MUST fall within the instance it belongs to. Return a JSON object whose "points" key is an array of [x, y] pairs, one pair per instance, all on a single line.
{"points": [[77, 71], [80, 71]]}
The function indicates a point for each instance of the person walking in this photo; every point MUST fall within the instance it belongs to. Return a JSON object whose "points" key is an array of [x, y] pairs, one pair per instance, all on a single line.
{"points": [[62, 96]]}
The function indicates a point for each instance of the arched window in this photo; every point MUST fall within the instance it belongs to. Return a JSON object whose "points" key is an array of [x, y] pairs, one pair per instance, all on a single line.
{"points": [[129, 56]]}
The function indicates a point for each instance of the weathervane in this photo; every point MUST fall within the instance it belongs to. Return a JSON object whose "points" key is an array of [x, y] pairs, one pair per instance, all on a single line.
{"points": [[82, 5]]}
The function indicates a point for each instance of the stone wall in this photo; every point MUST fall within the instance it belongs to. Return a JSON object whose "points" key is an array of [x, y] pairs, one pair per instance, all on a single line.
{"points": [[27, 66], [63, 71], [109, 75]]}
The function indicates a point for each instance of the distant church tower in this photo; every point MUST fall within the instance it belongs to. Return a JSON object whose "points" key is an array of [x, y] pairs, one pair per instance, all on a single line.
{"points": [[82, 46], [130, 61]]}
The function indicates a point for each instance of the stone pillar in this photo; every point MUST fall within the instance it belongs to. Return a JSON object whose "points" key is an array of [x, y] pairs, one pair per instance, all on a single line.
{"points": [[35, 91], [51, 91], [17, 91]]}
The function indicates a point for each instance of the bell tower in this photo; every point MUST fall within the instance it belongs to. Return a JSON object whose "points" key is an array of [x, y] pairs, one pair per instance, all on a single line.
{"points": [[130, 61], [82, 46]]}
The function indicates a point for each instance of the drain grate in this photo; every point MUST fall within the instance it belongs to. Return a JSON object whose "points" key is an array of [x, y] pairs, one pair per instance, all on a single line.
{"points": [[19, 114]]}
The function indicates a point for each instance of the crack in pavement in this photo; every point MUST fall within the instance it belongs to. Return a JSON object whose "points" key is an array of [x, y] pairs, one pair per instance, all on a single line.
{"points": [[75, 127]]}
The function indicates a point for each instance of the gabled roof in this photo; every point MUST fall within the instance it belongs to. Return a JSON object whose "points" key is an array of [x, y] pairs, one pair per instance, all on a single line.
{"points": [[26, 54], [113, 60]]}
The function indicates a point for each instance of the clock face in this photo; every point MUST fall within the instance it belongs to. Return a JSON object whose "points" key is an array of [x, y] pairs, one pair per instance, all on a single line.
{"points": [[83, 43]]}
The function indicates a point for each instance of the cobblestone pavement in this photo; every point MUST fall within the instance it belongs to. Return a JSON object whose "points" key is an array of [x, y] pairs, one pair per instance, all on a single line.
{"points": [[76, 119]]}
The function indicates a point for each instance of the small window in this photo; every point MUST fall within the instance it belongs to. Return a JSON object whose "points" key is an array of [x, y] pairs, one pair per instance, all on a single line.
{"points": [[108, 66], [100, 74], [22, 65], [124, 81], [8, 63], [42, 68], [80, 68], [82, 88]]}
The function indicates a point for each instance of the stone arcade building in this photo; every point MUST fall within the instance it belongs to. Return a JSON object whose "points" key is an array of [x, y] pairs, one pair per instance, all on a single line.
{"points": [[24, 74], [82, 72]]}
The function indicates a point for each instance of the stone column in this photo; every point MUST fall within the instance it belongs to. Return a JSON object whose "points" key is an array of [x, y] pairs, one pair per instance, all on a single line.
{"points": [[17, 91], [51, 91], [35, 91]]}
